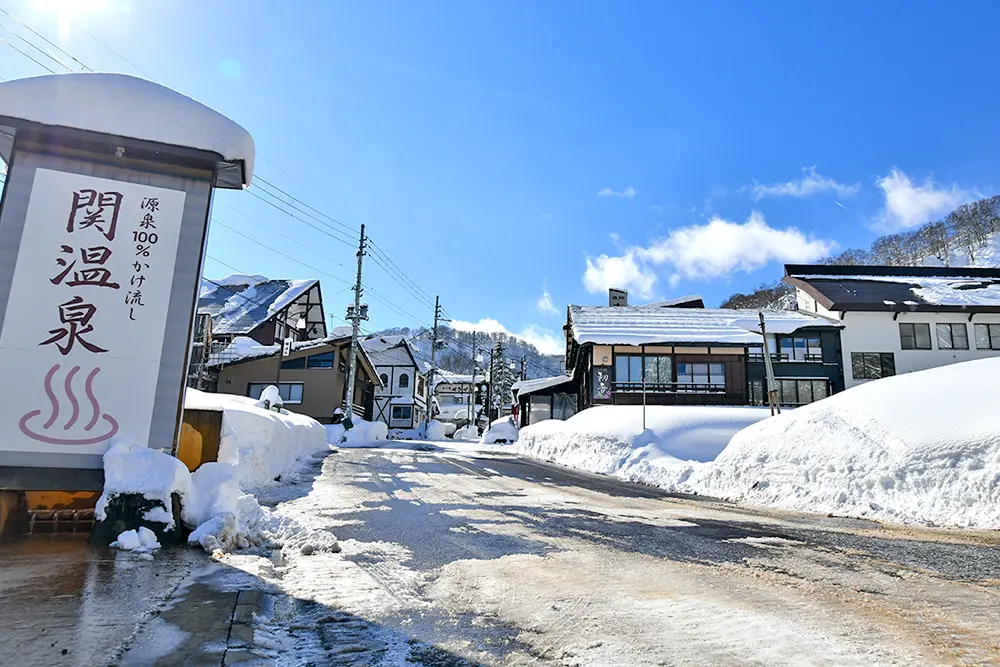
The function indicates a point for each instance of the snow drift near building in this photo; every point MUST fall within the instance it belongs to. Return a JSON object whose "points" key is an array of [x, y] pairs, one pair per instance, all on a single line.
{"points": [[362, 433], [609, 439], [921, 447], [503, 430], [259, 443]]}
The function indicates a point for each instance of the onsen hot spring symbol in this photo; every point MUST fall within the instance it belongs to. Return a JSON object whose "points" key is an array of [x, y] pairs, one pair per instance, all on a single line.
{"points": [[70, 436]]}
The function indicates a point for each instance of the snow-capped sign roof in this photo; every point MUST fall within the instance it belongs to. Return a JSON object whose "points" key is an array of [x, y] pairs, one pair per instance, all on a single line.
{"points": [[647, 325], [525, 387], [239, 308], [126, 106], [868, 288]]}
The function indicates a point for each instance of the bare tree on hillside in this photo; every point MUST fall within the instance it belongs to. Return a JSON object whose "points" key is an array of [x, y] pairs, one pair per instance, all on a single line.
{"points": [[767, 295], [974, 223], [850, 257], [935, 239]]}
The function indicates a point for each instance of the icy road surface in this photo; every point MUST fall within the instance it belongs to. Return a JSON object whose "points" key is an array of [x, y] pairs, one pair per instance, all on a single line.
{"points": [[458, 558]]}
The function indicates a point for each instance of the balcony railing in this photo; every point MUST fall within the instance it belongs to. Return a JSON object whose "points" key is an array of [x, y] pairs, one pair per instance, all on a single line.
{"points": [[776, 356], [669, 387]]}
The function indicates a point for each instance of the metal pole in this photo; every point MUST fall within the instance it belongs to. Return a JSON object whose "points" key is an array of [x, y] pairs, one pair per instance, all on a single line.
{"points": [[355, 325], [524, 367], [772, 391], [472, 387], [643, 388], [430, 376]]}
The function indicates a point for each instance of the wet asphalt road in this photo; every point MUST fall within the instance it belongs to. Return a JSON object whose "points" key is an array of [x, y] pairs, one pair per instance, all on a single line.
{"points": [[489, 558], [457, 557]]}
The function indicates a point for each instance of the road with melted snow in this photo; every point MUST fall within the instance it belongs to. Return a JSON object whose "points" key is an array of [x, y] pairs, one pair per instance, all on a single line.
{"points": [[462, 557]]}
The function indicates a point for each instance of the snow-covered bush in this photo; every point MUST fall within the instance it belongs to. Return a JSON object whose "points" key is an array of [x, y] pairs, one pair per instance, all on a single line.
{"points": [[130, 469], [503, 430], [468, 432], [435, 430]]}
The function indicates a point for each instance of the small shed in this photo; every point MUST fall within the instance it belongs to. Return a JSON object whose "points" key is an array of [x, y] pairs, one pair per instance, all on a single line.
{"points": [[545, 398]]}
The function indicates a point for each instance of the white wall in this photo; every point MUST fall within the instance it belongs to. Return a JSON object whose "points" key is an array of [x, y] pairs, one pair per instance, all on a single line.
{"points": [[877, 332]]}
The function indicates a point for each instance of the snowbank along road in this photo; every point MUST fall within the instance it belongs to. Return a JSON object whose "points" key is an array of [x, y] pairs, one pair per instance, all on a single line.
{"points": [[459, 558]]}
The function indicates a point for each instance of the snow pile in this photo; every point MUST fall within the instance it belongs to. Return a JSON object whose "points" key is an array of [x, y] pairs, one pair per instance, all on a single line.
{"points": [[137, 540], [922, 447], [609, 439], [501, 431], [470, 433], [228, 519], [261, 444], [435, 431], [240, 348], [362, 433], [270, 398], [127, 106], [136, 469]]}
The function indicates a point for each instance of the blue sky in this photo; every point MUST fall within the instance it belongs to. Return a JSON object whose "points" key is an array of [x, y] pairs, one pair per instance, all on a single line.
{"points": [[499, 152]]}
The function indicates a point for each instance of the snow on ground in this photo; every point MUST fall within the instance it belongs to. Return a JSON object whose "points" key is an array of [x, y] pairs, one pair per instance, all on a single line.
{"points": [[609, 439], [137, 540], [468, 432], [362, 433], [260, 444], [257, 447], [921, 447], [502, 430]]}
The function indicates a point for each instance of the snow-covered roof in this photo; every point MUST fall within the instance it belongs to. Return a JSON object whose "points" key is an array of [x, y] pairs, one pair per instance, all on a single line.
{"points": [[126, 106], [694, 300], [525, 387], [903, 292], [384, 350], [646, 325], [240, 307]]}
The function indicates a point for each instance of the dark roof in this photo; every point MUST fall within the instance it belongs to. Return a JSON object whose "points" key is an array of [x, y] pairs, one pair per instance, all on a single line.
{"points": [[240, 307], [898, 288]]}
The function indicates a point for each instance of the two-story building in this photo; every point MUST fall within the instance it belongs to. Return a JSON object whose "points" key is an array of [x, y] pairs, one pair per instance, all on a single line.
{"points": [[901, 319], [454, 393], [662, 355], [311, 379], [401, 401]]}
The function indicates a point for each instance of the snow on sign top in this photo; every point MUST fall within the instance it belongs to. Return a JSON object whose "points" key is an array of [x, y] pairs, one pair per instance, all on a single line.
{"points": [[642, 325], [126, 106]]}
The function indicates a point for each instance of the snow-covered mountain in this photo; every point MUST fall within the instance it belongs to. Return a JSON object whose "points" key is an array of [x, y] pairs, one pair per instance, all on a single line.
{"points": [[457, 353]]}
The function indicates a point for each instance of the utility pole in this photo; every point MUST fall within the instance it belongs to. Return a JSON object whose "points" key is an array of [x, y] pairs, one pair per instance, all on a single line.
{"points": [[772, 390], [472, 385], [430, 376], [524, 367], [355, 314]]}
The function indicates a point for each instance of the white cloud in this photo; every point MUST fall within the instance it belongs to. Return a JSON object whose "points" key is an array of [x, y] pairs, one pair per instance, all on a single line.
{"points": [[627, 193], [908, 205], [545, 304], [546, 341], [716, 249], [810, 184], [623, 272]]}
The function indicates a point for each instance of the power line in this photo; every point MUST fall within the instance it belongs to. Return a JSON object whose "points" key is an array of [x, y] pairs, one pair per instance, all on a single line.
{"points": [[42, 65], [49, 42], [294, 198], [327, 231], [36, 47]]}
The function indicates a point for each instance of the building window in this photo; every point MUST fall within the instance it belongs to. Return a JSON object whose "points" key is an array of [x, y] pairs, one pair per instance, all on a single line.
{"points": [[915, 336], [420, 385], [458, 399], [872, 365], [563, 406], [952, 337], [659, 369], [402, 412], [628, 368], [293, 364], [290, 392], [757, 392], [701, 374], [320, 360], [795, 348], [801, 392], [385, 379], [988, 336], [404, 380], [540, 408]]}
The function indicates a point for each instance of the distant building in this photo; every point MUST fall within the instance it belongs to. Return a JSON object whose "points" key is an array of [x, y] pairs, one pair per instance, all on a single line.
{"points": [[546, 398], [265, 310], [690, 356], [401, 400], [901, 319], [452, 395], [312, 379]]}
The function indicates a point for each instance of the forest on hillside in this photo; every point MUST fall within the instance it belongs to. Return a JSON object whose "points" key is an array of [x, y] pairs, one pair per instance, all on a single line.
{"points": [[960, 239]]}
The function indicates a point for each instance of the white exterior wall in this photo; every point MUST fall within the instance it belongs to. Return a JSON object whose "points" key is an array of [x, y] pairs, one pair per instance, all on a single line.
{"points": [[399, 395], [878, 332]]}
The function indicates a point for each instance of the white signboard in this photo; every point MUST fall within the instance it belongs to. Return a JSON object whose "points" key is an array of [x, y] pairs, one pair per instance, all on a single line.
{"points": [[84, 326]]}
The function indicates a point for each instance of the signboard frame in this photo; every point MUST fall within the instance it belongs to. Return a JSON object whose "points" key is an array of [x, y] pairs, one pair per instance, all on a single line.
{"points": [[128, 161]]}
